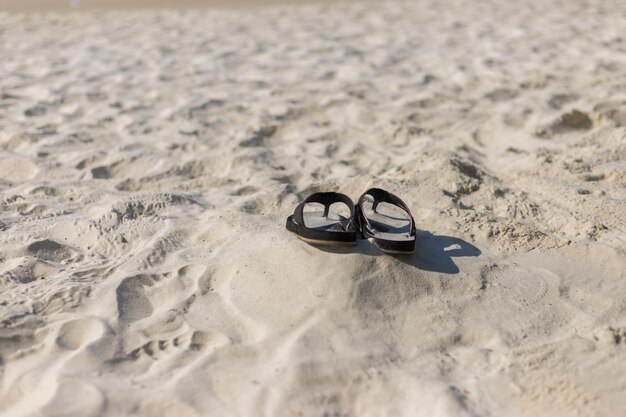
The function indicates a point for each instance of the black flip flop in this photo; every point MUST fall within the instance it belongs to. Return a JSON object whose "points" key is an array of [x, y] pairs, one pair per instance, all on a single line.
{"points": [[324, 228], [391, 233]]}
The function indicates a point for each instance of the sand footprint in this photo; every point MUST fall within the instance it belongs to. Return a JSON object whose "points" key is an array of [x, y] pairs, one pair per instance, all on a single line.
{"points": [[532, 296], [523, 286], [574, 120], [196, 341], [153, 307], [173, 357], [132, 303], [79, 333], [49, 250], [41, 387], [140, 296]]}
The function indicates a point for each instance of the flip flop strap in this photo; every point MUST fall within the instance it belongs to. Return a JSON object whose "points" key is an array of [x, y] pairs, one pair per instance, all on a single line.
{"points": [[382, 196], [327, 199]]}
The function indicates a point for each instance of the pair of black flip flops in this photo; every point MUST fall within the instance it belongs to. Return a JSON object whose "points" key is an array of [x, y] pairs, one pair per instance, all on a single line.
{"points": [[375, 216]]}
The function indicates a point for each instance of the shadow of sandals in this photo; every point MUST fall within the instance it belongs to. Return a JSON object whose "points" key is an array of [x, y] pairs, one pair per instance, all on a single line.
{"points": [[432, 252], [435, 253]]}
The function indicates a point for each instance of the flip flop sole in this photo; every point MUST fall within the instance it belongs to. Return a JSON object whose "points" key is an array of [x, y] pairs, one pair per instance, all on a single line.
{"points": [[395, 247], [324, 242]]}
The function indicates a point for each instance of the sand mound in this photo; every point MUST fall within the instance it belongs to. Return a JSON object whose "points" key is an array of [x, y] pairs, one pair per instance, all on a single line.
{"points": [[148, 161]]}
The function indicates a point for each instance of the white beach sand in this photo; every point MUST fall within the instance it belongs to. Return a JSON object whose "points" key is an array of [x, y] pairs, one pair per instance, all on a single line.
{"points": [[149, 159], [99, 5]]}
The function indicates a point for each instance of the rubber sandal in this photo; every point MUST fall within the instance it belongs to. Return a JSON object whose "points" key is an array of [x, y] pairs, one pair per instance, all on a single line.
{"points": [[324, 227], [392, 234]]}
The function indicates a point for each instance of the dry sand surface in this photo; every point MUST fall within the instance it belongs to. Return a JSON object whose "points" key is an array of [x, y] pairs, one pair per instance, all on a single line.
{"points": [[90, 5], [148, 161]]}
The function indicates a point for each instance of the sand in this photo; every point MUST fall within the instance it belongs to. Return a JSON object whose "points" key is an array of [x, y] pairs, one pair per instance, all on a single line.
{"points": [[149, 159], [105, 5]]}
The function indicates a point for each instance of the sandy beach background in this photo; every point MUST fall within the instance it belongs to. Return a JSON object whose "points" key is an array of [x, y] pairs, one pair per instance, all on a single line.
{"points": [[108, 5], [149, 159]]}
